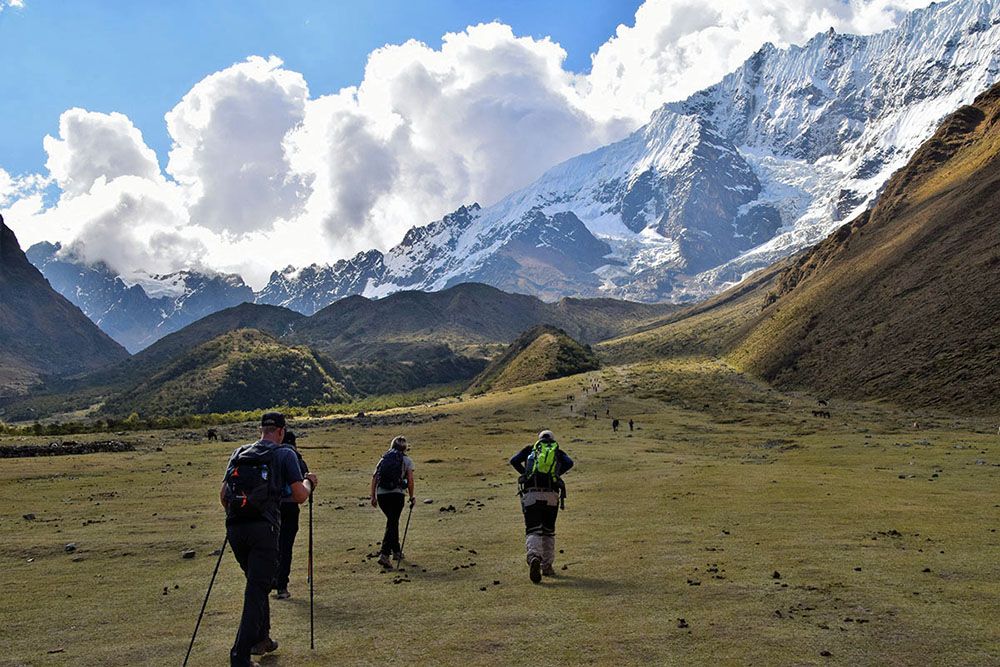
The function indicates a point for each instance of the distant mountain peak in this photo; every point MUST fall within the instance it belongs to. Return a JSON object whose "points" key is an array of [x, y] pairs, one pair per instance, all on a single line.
{"points": [[139, 309]]}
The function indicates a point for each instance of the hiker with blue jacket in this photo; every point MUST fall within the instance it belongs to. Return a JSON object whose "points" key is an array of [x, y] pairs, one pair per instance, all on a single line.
{"points": [[541, 488], [257, 477], [391, 481]]}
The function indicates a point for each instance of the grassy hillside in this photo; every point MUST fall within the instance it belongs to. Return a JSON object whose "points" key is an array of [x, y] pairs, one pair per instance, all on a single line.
{"points": [[404, 342], [241, 370], [272, 320], [384, 376], [541, 353], [709, 328]]}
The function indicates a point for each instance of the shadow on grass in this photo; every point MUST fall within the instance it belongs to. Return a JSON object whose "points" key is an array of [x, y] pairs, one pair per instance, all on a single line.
{"points": [[324, 612], [564, 580]]}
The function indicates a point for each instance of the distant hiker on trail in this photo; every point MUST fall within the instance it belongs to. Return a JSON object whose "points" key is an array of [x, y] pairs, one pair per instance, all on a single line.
{"points": [[289, 527], [631, 425], [392, 479], [614, 425], [541, 488], [257, 477]]}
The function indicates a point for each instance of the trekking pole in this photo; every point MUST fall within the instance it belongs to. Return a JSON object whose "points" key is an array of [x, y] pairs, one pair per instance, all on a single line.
{"points": [[312, 636], [205, 603], [405, 531]]}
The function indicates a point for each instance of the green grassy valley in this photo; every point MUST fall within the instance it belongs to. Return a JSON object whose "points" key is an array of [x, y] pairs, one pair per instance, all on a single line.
{"points": [[731, 527]]}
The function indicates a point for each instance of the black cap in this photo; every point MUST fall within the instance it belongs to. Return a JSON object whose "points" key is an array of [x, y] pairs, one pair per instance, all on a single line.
{"points": [[289, 438], [272, 420]]}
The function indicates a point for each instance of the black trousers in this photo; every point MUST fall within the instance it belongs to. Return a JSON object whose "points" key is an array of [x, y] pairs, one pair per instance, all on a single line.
{"points": [[255, 546], [286, 541], [391, 505], [540, 519]]}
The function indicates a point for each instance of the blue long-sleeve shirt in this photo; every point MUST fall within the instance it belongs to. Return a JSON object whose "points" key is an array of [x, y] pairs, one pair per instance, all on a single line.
{"points": [[520, 461]]}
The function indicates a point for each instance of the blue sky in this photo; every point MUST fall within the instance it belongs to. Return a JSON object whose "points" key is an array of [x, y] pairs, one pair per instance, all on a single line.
{"points": [[140, 58]]}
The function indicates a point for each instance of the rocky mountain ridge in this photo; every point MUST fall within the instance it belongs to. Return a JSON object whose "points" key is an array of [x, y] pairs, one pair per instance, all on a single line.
{"points": [[143, 309]]}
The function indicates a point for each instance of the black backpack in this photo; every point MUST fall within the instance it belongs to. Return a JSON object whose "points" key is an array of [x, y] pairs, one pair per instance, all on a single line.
{"points": [[392, 470], [252, 484]]}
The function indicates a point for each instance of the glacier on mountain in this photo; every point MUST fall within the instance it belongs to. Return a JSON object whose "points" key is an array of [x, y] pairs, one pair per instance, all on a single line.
{"points": [[768, 161]]}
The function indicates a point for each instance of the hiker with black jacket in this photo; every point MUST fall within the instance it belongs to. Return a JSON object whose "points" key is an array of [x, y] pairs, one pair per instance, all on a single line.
{"points": [[391, 481], [257, 477], [541, 488], [289, 527]]}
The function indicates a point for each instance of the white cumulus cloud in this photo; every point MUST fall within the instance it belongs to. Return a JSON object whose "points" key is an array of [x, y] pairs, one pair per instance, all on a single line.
{"points": [[93, 146], [228, 152], [134, 224], [678, 47]]}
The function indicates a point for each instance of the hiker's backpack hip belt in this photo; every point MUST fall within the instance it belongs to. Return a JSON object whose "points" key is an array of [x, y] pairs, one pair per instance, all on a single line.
{"points": [[535, 495]]}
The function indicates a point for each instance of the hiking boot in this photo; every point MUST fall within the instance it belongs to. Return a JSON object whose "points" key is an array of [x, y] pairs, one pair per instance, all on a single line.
{"points": [[282, 594], [548, 571], [264, 646], [535, 570], [385, 561]]}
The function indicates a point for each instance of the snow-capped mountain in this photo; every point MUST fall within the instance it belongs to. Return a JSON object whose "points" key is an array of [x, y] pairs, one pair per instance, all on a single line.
{"points": [[140, 311], [749, 170]]}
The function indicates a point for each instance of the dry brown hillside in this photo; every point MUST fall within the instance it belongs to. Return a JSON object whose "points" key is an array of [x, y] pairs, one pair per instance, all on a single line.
{"points": [[903, 303]]}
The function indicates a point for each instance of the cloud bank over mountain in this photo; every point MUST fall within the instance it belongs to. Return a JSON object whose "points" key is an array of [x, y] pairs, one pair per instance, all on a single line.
{"points": [[264, 172]]}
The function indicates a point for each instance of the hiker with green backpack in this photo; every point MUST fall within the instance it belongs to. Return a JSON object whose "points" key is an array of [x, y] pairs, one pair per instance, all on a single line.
{"points": [[391, 481], [542, 491]]}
